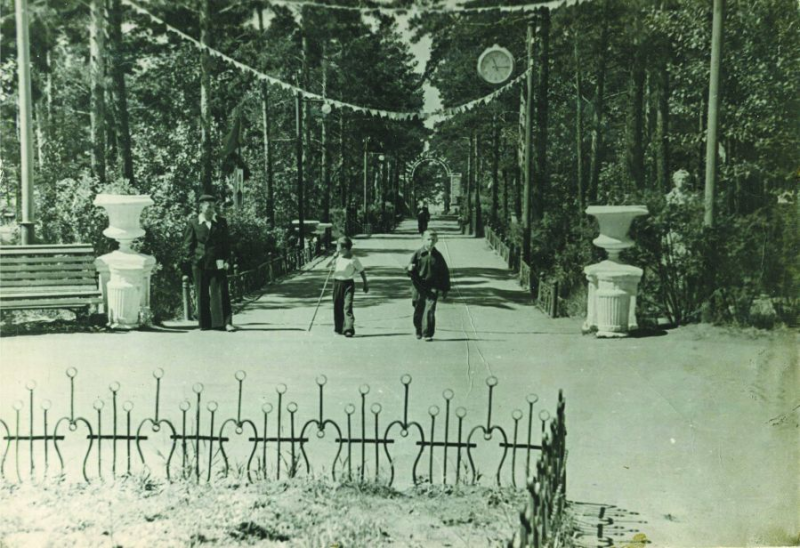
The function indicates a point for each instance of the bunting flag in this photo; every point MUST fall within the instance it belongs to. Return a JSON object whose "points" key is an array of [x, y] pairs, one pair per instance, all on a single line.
{"points": [[552, 4], [380, 113]]}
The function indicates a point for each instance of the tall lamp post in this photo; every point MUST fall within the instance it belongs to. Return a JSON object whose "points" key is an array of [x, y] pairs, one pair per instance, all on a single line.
{"points": [[25, 122]]}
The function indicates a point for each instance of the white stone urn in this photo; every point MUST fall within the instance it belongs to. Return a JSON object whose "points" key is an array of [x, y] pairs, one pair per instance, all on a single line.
{"points": [[124, 273], [611, 303]]}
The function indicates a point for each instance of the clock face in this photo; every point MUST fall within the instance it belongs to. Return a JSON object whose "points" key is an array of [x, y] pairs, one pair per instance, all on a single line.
{"points": [[496, 65]]}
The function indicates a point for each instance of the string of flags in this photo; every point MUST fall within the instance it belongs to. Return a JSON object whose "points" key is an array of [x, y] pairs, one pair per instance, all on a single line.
{"points": [[552, 4], [379, 113]]}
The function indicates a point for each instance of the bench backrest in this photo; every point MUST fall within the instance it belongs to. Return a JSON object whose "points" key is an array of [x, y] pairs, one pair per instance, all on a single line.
{"points": [[32, 266]]}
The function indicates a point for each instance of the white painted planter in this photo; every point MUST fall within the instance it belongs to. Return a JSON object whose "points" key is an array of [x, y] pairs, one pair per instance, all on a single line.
{"points": [[613, 286], [125, 274]]}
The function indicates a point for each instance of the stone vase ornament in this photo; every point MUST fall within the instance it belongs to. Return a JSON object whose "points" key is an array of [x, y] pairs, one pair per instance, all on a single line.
{"points": [[611, 303], [124, 273]]}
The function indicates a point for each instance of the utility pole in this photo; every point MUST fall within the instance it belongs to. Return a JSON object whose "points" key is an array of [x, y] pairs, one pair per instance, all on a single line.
{"points": [[299, 128], [713, 113], [97, 32], [526, 192], [25, 122], [711, 152]]}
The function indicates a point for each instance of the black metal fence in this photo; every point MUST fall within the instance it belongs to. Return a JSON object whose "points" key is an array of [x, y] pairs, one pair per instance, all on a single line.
{"points": [[542, 521], [546, 291], [241, 283], [195, 441]]}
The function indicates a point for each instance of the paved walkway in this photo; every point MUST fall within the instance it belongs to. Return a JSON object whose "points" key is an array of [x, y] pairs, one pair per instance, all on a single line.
{"points": [[696, 429]]}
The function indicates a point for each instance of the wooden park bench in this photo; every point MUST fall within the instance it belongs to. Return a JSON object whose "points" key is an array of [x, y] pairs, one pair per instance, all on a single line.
{"points": [[48, 276]]}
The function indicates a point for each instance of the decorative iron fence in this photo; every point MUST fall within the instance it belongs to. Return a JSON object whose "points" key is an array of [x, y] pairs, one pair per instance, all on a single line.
{"points": [[547, 298], [248, 281], [196, 443], [542, 522], [525, 277], [546, 291]]}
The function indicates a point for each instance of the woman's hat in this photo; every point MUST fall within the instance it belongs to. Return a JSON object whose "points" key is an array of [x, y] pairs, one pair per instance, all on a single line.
{"points": [[206, 198]]}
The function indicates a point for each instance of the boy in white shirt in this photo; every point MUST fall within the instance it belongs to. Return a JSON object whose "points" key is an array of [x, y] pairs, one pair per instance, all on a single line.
{"points": [[344, 286]]}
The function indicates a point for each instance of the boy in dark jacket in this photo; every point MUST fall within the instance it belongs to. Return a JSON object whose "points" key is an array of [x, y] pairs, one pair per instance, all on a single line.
{"points": [[430, 278]]}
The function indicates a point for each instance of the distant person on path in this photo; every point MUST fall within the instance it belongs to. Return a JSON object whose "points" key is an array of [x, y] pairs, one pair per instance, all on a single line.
{"points": [[423, 216], [344, 286], [206, 247], [430, 278]]}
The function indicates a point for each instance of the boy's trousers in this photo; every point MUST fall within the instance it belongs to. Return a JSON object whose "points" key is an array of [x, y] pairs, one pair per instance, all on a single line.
{"points": [[424, 311], [343, 318]]}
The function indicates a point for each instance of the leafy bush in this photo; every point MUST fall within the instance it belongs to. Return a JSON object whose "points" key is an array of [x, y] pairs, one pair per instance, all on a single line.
{"points": [[741, 260]]}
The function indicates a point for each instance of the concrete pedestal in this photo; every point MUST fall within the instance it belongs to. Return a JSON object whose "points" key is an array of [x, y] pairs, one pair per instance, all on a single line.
{"points": [[611, 310], [125, 284], [125, 274]]}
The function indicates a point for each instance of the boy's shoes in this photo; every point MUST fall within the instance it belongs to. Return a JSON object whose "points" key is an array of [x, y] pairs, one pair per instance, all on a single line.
{"points": [[348, 334], [419, 336], [230, 328], [428, 339], [338, 332]]}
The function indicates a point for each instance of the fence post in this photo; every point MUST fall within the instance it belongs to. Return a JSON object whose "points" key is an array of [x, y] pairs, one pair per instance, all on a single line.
{"points": [[236, 288], [554, 306], [187, 313]]}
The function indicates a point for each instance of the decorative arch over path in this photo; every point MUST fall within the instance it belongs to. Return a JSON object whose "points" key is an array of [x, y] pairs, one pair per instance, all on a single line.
{"points": [[452, 192], [425, 158]]}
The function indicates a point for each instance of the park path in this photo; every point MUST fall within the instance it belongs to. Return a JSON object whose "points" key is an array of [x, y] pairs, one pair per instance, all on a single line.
{"points": [[694, 429]]}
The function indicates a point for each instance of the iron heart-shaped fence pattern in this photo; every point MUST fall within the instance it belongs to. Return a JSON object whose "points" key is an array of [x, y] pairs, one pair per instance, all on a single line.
{"points": [[279, 446]]}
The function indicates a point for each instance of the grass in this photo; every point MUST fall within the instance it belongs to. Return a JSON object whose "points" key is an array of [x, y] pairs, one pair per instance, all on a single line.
{"points": [[140, 511]]}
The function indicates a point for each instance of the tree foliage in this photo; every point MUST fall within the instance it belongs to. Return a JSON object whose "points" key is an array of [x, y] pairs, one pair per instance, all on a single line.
{"points": [[643, 72]]}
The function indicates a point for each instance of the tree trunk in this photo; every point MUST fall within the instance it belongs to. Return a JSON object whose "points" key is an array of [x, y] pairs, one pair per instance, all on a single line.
{"points": [[299, 143], [518, 190], [635, 133], [495, 170], [542, 113], [343, 177], [40, 138], [579, 183], [478, 211], [662, 124], [527, 162], [97, 69], [470, 184], [505, 197], [123, 132], [323, 164], [266, 128], [205, 100], [596, 151]]}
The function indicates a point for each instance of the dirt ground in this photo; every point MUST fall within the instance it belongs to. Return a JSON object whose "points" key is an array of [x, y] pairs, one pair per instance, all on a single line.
{"points": [[695, 429]]}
